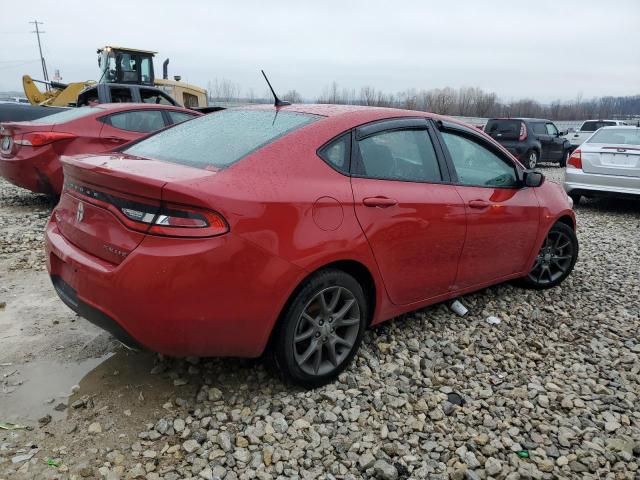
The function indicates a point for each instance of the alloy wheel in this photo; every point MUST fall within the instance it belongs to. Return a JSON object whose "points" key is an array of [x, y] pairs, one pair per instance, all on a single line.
{"points": [[554, 259], [326, 330], [533, 159]]}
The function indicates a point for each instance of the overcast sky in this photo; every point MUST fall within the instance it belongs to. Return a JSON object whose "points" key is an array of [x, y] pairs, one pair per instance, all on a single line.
{"points": [[544, 50]]}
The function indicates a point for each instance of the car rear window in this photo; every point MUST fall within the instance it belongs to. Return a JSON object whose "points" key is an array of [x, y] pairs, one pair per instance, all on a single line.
{"points": [[220, 139], [617, 136], [593, 126], [66, 116], [503, 129]]}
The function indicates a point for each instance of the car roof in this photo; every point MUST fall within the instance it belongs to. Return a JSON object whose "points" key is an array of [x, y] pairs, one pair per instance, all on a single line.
{"points": [[331, 110], [619, 127]]}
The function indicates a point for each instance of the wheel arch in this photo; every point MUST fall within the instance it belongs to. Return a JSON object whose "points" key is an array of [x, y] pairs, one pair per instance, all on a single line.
{"points": [[355, 268], [567, 220]]}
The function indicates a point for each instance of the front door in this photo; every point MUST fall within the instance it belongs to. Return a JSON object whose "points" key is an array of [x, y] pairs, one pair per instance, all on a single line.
{"points": [[415, 224], [502, 216], [556, 142]]}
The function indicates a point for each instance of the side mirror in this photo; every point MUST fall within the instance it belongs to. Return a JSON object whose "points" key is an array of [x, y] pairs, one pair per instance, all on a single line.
{"points": [[564, 132], [532, 178]]}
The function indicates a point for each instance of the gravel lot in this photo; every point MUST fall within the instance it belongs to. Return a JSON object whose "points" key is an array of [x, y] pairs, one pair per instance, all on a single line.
{"points": [[552, 391]]}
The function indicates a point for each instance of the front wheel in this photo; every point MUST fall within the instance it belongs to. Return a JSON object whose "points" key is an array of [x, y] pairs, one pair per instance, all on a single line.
{"points": [[556, 258], [531, 159], [321, 329]]}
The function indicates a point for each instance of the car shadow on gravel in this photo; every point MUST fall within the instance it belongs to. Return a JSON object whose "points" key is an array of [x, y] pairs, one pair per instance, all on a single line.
{"points": [[610, 205]]}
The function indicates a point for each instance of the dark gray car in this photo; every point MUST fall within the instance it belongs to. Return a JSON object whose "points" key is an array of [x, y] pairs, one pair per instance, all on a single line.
{"points": [[530, 140]]}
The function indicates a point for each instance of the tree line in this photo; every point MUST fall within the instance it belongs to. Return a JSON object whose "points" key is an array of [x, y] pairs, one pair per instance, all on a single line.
{"points": [[465, 102]]}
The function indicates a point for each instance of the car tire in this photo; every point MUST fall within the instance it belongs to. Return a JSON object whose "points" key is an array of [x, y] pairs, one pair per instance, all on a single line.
{"points": [[565, 157], [576, 198], [531, 159], [319, 333], [555, 260]]}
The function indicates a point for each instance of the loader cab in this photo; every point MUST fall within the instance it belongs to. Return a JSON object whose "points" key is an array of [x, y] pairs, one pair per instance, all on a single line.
{"points": [[125, 65]]}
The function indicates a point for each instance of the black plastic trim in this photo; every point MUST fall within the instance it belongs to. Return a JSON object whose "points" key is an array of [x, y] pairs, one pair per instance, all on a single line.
{"points": [[100, 319], [409, 123]]}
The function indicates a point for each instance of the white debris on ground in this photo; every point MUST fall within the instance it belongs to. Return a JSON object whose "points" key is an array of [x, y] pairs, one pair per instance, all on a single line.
{"points": [[552, 391]]}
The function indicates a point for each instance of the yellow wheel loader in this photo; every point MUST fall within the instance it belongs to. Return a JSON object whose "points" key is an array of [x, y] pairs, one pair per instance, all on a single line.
{"points": [[119, 65]]}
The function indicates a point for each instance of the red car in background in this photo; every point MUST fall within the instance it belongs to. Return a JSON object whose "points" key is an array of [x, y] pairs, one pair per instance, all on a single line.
{"points": [[30, 151], [297, 228]]}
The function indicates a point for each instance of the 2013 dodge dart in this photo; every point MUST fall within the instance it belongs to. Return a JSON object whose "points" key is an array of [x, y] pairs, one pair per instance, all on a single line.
{"points": [[295, 228]]}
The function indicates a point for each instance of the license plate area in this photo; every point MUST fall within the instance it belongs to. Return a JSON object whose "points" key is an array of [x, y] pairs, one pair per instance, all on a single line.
{"points": [[618, 160]]}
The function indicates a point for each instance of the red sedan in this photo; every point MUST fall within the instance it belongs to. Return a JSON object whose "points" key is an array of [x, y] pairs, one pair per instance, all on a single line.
{"points": [[295, 228], [30, 151]]}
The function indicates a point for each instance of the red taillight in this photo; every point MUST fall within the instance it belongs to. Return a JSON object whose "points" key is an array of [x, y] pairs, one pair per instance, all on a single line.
{"points": [[523, 132], [575, 160], [37, 139], [164, 218], [177, 220]]}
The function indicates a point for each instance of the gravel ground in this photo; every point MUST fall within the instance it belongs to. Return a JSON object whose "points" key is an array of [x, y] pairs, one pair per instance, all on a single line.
{"points": [[552, 391]]}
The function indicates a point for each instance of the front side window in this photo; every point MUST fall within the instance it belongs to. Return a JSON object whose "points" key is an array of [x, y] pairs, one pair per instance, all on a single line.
{"points": [[551, 129], [145, 69], [398, 155], [476, 165], [221, 139], [138, 121]]}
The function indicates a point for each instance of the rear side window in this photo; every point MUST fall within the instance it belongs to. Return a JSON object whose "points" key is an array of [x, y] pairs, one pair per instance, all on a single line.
{"points": [[337, 153], [121, 95], [67, 115], [398, 155], [539, 128], [221, 139], [503, 129], [154, 96], [138, 121]]}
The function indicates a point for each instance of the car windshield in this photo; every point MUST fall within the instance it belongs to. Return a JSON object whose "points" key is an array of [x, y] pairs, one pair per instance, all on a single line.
{"points": [[220, 139], [617, 136], [66, 116], [503, 129]]}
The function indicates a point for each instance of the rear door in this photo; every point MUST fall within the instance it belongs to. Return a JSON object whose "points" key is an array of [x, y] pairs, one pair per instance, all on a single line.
{"points": [[122, 127], [413, 220], [502, 216], [540, 130]]}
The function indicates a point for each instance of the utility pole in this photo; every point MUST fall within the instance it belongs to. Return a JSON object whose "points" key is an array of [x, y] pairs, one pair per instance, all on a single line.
{"points": [[37, 31]]}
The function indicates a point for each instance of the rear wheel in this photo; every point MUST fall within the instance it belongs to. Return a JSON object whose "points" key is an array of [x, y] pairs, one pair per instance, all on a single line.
{"points": [[565, 157], [321, 330], [531, 160], [556, 258], [576, 198]]}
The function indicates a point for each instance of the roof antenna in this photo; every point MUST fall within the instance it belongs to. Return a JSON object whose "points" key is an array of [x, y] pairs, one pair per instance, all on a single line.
{"points": [[277, 102]]}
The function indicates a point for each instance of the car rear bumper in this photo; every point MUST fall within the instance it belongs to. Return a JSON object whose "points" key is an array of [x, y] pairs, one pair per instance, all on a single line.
{"points": [[578, 182], [37, 175], [217, 296]]}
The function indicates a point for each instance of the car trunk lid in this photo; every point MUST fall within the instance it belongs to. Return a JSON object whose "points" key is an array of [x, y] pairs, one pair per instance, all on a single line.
{"points": [[623, 160], [104, 193]]}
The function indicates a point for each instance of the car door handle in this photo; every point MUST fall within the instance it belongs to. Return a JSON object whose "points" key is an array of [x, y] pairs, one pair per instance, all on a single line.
{"points": [[479, 204], [381, 202], [113, 139]]}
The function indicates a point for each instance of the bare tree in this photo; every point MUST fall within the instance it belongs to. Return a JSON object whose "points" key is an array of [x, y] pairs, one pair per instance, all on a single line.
{"points": [[292, 96]]}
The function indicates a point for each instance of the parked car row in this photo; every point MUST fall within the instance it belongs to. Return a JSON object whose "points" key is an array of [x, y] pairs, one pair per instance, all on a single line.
{"points": [[283, 229]]}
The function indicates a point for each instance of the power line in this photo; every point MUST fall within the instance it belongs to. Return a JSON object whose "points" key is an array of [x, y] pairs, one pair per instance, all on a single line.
{"points": [[44, 64]]}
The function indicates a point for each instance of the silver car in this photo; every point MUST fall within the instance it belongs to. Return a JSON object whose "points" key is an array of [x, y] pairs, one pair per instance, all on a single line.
{"points": [[607, 163]]}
